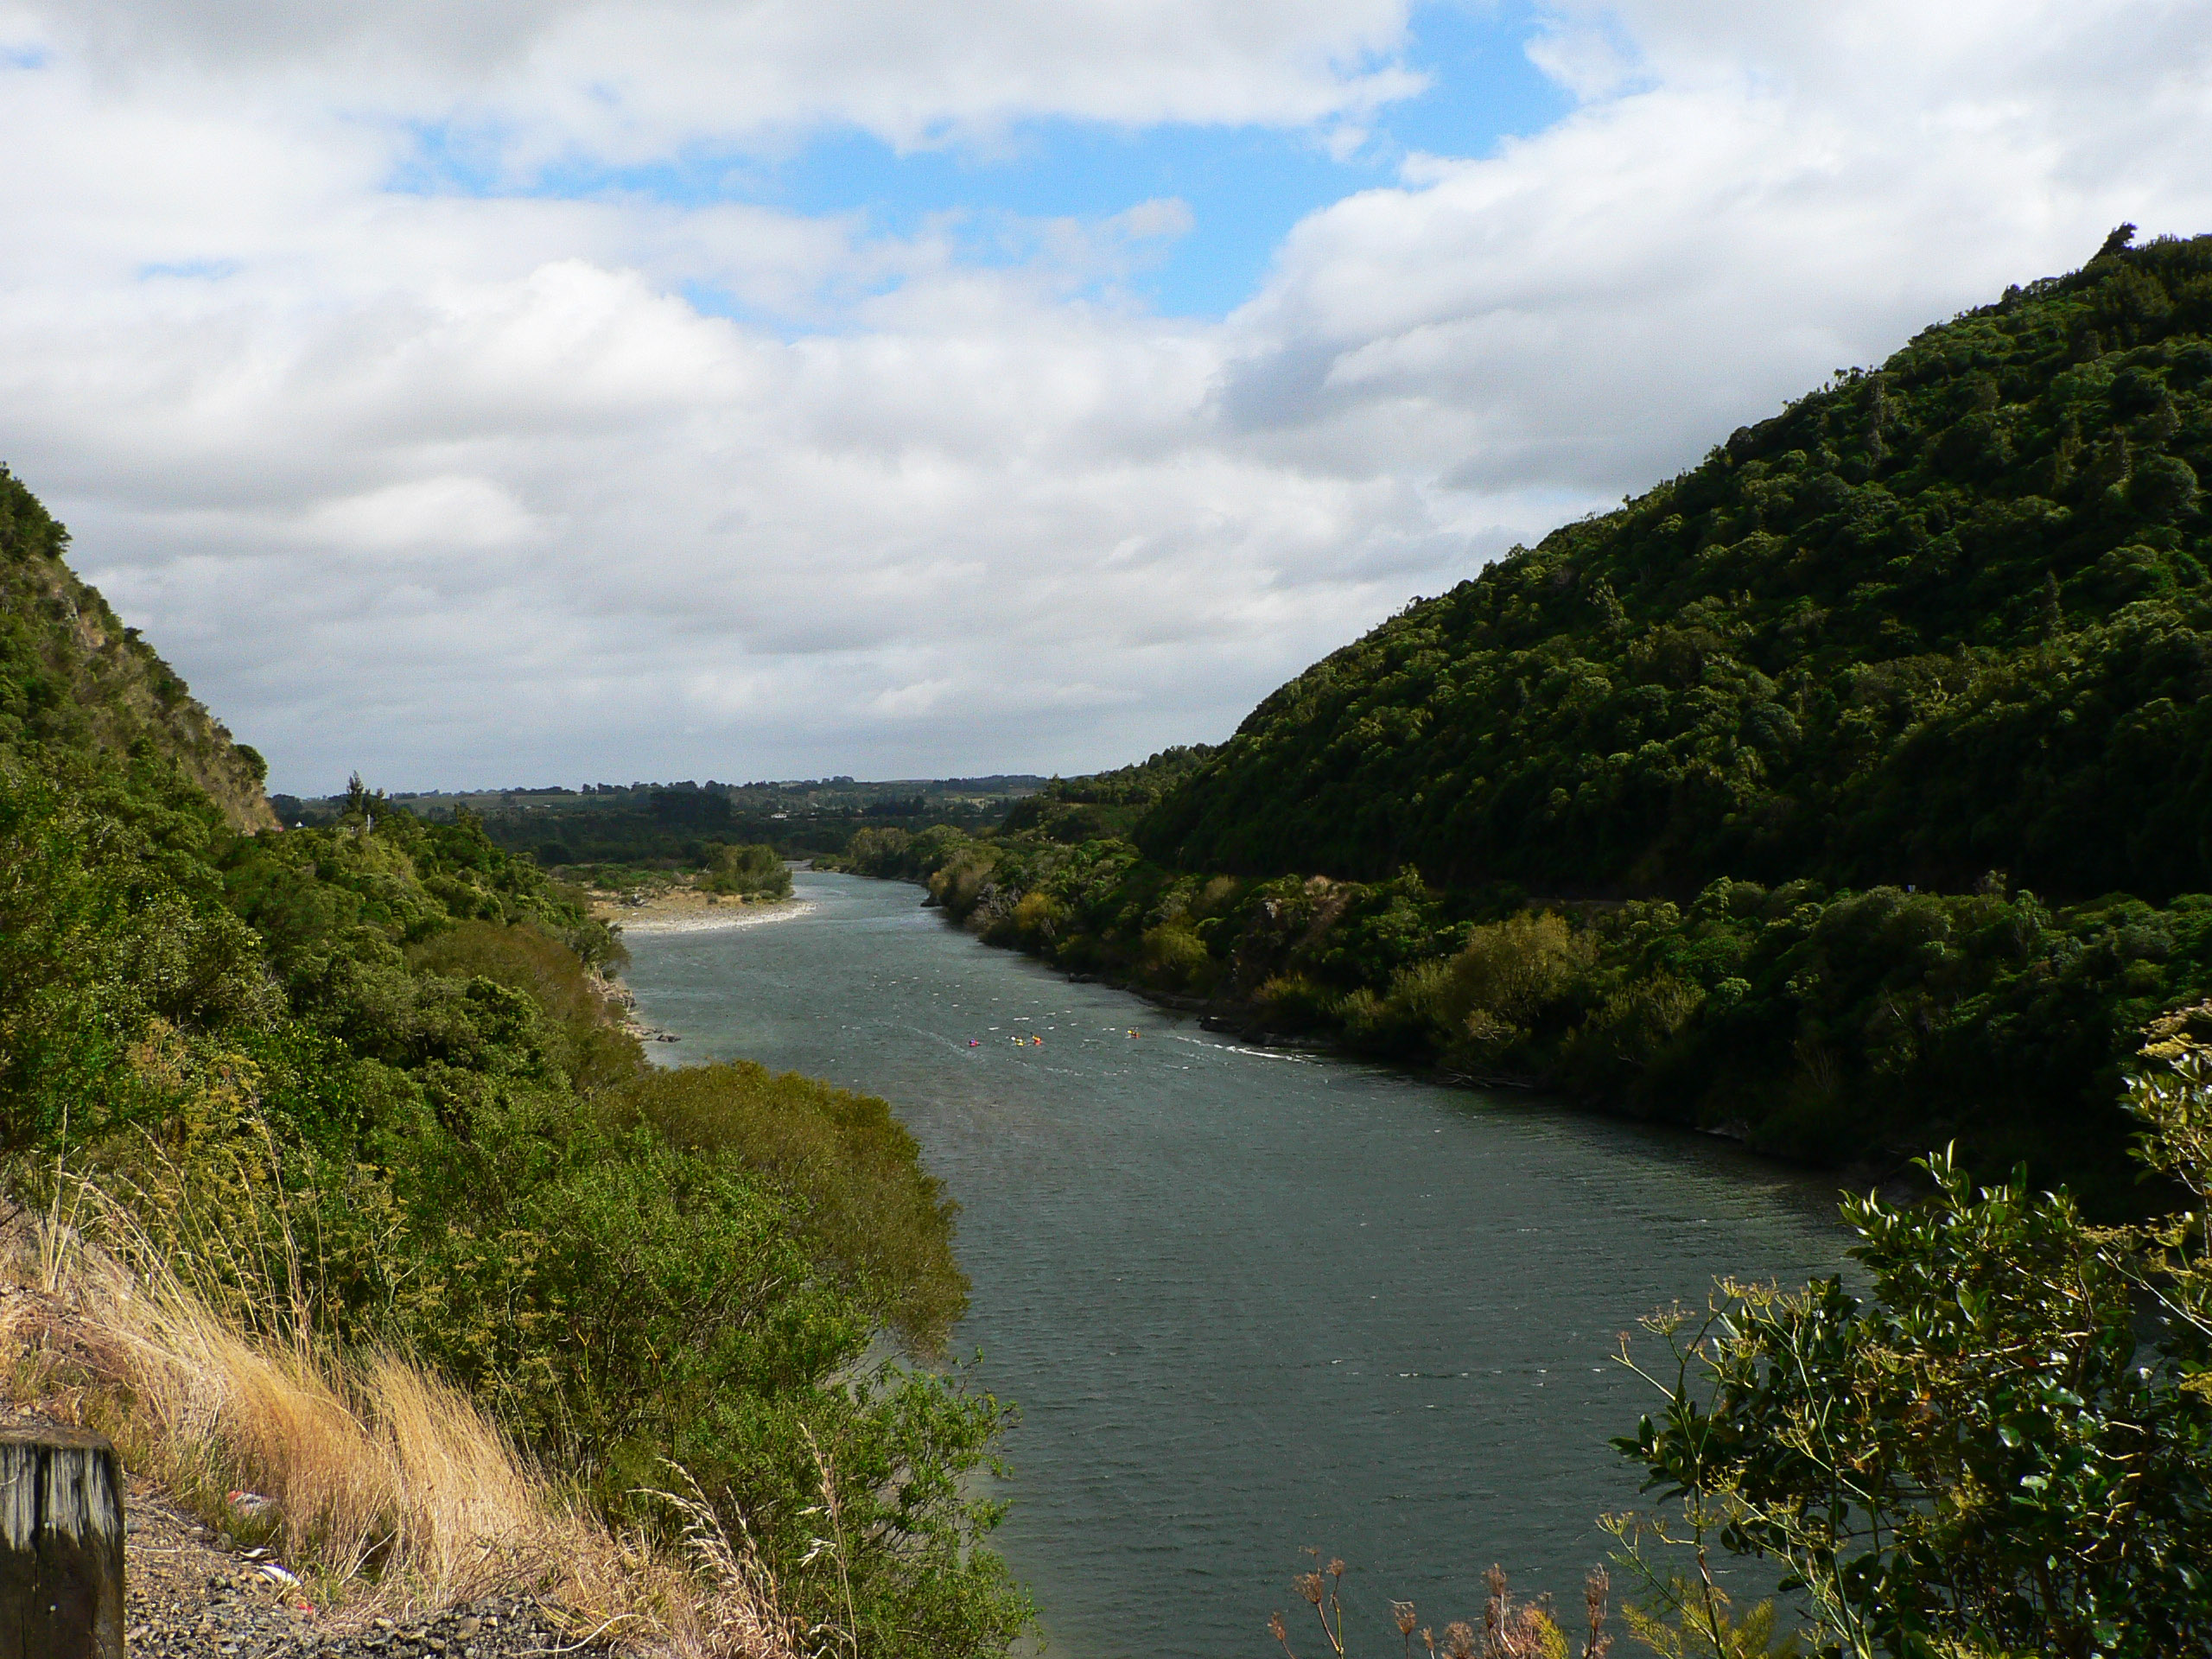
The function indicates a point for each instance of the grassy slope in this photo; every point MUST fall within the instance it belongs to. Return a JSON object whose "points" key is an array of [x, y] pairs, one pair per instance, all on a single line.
{"points": [[73, 675]]}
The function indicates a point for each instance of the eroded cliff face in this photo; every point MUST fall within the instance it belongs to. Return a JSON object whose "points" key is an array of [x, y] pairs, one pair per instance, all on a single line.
{"points": [[71, 674]]}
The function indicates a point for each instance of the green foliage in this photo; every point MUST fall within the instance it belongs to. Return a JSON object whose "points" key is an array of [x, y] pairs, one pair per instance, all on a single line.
{"points": [[852, 1169], [1942, 617], [1679, 1617], [74, 680], [370, 1080], [110, 927], [748, 870], [570, 1000], [1994, 1450], [1510, 974], [1077, 810]]}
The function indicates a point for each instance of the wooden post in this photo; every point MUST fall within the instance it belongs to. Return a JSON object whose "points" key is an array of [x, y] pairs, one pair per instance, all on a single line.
{"points": [[60, 1545]]}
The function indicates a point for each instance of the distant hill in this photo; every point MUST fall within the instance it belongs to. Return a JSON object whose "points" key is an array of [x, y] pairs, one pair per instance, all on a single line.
{"points": [[73, 676], [675, 825], [1945, 617]]}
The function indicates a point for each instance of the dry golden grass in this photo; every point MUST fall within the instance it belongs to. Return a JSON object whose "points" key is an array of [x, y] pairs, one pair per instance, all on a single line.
{"points": [[391, 1489]]}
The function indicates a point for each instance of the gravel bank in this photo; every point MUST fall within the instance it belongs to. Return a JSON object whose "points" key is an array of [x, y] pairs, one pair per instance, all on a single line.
{"points": [[195, 1593], [191, 1593]]}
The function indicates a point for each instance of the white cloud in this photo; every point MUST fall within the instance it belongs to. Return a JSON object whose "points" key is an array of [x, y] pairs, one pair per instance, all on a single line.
{"points": [[473, 489], [428, 518], [1752, 196], [620, 80]]}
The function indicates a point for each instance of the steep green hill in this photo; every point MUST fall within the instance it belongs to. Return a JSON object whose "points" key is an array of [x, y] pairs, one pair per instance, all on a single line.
{"points": [[73, 675], [1947, 617]]}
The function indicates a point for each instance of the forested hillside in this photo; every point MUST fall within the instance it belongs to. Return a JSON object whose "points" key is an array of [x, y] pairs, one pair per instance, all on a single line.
{"points": [[1075, 810], [1945, 617], [366, 1087], [1849, 794]]}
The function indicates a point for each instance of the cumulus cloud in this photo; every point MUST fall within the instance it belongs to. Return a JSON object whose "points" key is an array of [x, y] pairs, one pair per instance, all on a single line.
{"points": [[1749, 197], [500, 485]]}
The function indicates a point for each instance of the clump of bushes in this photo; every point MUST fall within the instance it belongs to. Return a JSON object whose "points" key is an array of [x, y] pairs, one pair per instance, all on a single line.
{"points": [[2001, 1445], [745, 870]]}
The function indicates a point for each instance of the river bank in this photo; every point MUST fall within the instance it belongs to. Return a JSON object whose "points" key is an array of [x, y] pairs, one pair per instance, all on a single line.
{"points": [[1847, 1031], [1248, 1021], [686, 908]]}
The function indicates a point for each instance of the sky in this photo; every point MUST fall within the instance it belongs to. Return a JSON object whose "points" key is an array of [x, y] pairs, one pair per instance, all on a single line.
{"points": [[484, 392]]}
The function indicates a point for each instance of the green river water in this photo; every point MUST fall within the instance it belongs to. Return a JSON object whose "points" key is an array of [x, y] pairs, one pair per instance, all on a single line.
{"points": [[1248, 1301]]}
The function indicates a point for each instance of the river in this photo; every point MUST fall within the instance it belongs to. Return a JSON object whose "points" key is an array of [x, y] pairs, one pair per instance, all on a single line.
{"points": [[1250, 1301]]}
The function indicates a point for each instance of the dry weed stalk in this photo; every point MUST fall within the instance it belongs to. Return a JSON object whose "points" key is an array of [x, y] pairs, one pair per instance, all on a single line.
{"points": [[390, 1485], [745, 1619], [1510, 1629]]}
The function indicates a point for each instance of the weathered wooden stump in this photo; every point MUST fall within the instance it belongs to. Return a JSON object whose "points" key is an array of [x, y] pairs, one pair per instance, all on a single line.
{"points": [[60, 1545]]}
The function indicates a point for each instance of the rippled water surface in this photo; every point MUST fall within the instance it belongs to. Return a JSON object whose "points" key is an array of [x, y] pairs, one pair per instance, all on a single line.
{"points": [[1248, 1301]]}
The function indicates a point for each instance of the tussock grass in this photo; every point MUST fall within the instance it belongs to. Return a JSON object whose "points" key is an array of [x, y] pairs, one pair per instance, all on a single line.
{"points": [[389, 1490]]}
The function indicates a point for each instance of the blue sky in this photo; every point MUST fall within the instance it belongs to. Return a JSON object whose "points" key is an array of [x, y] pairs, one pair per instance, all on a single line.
{"points": [[1245, 187]]}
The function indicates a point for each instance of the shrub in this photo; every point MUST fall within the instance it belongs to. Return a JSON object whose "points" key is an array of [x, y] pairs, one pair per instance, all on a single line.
{"points": [[1295, 1003], [1038, 920], [1510, 970], [748, 870], [852, 1168], [958, 884], [1991, 1448], [1631, 1028], [593, 1048], [1174, 959]]}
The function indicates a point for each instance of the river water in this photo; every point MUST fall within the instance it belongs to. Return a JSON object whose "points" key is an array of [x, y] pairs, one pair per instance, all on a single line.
{"points": [[1250, 1301]]}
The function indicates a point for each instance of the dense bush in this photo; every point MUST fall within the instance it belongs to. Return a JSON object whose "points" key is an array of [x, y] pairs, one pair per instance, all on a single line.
{"points": [[2002, 1444], [748, 870], [1075, 810], [852, 1171]]}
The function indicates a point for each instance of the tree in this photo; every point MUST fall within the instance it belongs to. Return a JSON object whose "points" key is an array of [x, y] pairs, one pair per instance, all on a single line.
{"points": [[2005, 1447]]}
